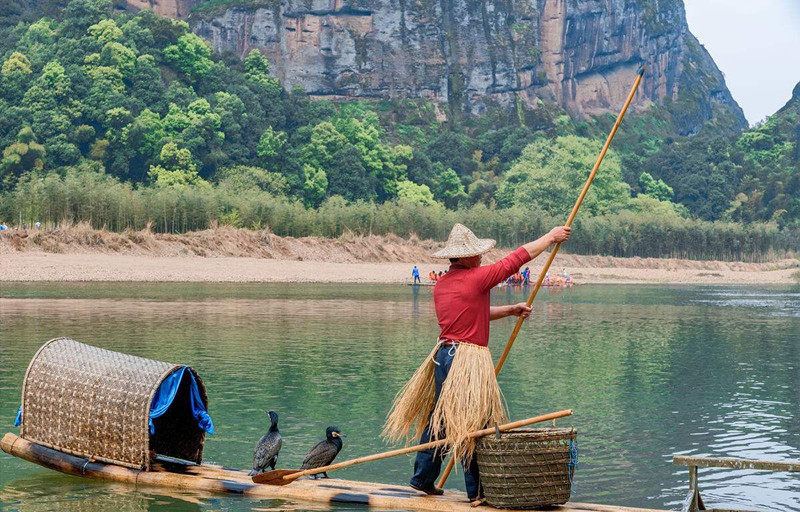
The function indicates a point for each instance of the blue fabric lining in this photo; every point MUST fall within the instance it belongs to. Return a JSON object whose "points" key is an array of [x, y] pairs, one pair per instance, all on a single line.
{"points": [[165, 394], [18, 421]]}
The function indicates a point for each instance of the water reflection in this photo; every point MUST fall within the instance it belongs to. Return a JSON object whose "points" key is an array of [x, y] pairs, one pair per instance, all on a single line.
{"points": [[650, 371]]}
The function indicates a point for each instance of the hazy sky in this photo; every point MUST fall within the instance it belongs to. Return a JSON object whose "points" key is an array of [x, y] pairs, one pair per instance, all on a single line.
{"points": [[756, 43]]}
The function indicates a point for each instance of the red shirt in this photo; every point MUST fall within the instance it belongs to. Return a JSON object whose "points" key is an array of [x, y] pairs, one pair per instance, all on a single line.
{"points": [[462, 297]]}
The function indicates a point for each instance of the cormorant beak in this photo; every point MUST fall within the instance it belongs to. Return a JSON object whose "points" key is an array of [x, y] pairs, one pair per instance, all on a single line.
{"points": [[338, 434]]}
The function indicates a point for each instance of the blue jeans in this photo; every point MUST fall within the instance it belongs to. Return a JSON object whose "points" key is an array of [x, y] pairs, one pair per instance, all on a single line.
{"points": [[429, 462]]}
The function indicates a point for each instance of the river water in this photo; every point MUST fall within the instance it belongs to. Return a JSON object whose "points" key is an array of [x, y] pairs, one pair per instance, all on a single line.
{"points": [[650, 371]]}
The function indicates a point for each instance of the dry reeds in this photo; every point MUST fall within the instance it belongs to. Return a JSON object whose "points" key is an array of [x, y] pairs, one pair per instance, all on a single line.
{"points": [[412, 405], [470, 399]]}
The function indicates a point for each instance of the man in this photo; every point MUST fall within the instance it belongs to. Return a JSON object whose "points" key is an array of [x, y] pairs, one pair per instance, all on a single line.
{"points": [[455, 391], [415, 275]]}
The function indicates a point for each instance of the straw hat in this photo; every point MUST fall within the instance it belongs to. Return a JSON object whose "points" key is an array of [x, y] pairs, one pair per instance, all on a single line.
{"points": [[462, 243]]}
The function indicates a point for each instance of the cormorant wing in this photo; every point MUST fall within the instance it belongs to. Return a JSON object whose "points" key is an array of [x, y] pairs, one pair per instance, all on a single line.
{"points": [[268, 447], [320, 455]]}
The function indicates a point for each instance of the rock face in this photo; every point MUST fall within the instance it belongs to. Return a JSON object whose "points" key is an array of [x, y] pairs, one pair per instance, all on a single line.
{"points": [[473, 54]]}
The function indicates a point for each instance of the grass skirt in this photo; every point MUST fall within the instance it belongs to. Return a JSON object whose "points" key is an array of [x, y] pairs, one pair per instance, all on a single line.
{"points": [[470, 400]]}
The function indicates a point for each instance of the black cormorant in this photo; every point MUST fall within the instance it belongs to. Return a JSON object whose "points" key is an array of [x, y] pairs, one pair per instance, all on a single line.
{"points": [[266, 451], [325, 451]]}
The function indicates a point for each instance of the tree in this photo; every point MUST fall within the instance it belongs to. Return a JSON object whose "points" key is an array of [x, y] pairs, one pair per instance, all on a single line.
{"points": [[448, 188], [551, 173], [656, 189], [241, 178], [177, 170], [271, 143], [191, 55], [315, 186], [21, 156], [410, 192], [105, 31]]}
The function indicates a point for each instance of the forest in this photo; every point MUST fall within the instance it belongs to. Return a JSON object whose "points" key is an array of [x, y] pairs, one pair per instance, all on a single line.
{"points": [[128, 121]]}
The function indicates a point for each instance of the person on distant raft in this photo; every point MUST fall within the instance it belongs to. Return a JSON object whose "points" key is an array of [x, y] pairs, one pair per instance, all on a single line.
{"points": [[415, 275], [526, 276], [454, 391]]}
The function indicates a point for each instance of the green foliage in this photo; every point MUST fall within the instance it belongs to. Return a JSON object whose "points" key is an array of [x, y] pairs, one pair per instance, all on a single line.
{"points": [[271, 143], [315, 185], [656, 189], [21, 156], [16, 64], [136, 108], [551, 173], [191, 54], [177, 169], [105, 31], [242, 178], [410, 192]]}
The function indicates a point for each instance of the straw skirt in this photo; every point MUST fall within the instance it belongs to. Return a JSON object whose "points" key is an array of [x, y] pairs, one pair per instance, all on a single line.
{"points": [[470, 400]]}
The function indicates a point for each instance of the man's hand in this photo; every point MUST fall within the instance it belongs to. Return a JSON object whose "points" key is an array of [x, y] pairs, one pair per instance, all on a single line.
{"points": [[560, 234], [520, 309]]}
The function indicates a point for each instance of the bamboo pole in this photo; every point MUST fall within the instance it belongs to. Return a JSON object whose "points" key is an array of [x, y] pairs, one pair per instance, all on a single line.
{"points": [[553, 253], [286, 476]]}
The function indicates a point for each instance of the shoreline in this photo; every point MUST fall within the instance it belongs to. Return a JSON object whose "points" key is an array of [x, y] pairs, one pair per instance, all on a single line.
{"points": [[78, 253], [93, 267]]}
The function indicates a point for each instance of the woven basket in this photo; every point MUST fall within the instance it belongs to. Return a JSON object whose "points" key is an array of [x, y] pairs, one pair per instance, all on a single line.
{"points": [[526, 469], [93, 402]]}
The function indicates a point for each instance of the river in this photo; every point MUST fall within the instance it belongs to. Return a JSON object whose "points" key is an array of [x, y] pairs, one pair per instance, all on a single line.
{"points": [[650, 371]]}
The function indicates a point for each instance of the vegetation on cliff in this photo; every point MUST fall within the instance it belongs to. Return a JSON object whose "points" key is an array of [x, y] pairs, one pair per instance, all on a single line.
{"points": [[128, 120]]}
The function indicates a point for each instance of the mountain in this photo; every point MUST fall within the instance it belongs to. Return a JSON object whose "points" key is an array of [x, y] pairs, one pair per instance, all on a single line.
{"points": [[477, 54]]}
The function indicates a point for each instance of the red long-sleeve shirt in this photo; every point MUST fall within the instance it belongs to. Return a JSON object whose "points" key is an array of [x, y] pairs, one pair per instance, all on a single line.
{"points": [[462, 297]]}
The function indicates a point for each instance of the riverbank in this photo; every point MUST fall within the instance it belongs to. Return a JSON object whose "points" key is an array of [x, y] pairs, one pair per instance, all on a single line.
{"points": [[225, 254]]}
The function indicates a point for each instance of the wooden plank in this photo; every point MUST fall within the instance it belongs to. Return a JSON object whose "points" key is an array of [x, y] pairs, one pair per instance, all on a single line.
{"points": [[713, 462], [207, 477]]}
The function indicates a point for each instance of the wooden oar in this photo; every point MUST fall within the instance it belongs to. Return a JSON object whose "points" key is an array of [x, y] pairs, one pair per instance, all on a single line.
{"points": [[553, 253], [287, 476]]}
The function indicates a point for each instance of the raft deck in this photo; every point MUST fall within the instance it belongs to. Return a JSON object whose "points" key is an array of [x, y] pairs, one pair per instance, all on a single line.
{"points": [[208, 477]]}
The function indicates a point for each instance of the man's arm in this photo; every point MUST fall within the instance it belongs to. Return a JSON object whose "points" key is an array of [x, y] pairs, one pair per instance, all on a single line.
{"points": [[520, 309], [556, 235]]}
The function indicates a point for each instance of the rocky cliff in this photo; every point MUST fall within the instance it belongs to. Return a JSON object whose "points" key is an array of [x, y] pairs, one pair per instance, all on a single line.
{"points": [[473, 54]]}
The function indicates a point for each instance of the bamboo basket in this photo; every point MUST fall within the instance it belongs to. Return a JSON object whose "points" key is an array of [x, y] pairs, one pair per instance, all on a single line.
{"points": [[525, 469], [95, 403]]}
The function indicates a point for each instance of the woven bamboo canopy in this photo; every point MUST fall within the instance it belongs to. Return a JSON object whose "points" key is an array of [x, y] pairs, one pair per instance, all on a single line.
{"points": [[95, 403]]}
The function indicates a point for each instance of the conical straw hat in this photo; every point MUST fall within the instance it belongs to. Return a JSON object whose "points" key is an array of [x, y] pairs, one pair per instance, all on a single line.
{"points": [[462, 243]]}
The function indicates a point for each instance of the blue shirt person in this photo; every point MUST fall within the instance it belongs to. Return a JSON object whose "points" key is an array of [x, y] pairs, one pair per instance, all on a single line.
{"points": [[415, 275]]}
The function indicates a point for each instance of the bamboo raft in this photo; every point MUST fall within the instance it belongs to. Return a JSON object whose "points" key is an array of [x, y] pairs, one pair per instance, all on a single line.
{"points": [[213, 478]]}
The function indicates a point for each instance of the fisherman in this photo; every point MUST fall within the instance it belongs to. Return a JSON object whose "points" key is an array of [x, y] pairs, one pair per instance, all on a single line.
{"points": [[454, 391], [415, 275], [526, 276]]}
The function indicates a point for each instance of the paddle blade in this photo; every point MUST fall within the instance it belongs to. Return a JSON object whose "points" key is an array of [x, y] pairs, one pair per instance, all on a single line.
{"points": [[275, 477]]}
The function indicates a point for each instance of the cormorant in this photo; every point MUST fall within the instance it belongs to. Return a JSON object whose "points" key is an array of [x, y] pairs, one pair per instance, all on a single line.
{"points": [[325, 451], [266, 451]]}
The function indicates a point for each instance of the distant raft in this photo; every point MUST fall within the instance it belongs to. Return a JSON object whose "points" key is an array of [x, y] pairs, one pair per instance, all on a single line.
{"points": [[113, 407]]}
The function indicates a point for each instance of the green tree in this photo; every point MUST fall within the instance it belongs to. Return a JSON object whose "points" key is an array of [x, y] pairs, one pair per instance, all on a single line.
{"points": [[242, 178], [410, 192], [551, 173], [177, 170], [656, 189], [21, 156], [315, 186], [271, 143], [191, 54], [449, 189], [17, 63], [105, 31]]}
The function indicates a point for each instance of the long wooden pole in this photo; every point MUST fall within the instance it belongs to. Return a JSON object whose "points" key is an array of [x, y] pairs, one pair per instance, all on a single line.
{"points": [[553, 253], [283, 476]]}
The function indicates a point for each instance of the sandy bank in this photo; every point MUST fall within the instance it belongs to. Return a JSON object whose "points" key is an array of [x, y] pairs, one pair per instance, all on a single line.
{"points": [[79, 253]]}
